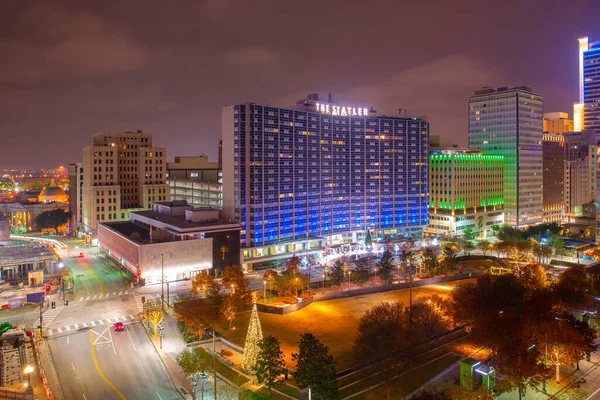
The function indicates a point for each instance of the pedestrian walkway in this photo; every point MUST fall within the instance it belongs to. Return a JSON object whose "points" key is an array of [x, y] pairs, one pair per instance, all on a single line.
{"points": [[91, 324], [102, 296], [48, 316]]}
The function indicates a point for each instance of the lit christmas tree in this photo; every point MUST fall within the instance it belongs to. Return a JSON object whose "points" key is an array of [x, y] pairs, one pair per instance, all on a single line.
{"points": [[253, 337]]}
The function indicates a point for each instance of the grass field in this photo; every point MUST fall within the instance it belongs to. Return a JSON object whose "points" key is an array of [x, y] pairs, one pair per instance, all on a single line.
{"points": [[334, 322]]}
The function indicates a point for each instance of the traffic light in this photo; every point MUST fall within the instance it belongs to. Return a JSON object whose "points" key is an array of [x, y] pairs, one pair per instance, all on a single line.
{"points": [[139, 274], [48, 287]]}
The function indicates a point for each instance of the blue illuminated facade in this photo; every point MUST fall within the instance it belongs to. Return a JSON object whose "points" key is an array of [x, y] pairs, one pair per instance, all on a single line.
{"points": [[298, 173]]}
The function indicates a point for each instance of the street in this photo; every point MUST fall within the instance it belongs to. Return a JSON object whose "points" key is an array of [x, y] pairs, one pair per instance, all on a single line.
{"points": [[91, 359]]}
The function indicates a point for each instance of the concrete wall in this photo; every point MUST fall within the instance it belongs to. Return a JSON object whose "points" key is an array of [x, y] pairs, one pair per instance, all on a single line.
{"points": [[118, 246], [180, 258]]}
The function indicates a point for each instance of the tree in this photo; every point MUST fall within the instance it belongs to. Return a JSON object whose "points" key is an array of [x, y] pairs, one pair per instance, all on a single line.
{"points": [[214, 297], [572, 285], [52, 219], [495, 229], [510, 234], [362, 271], [368, 241], [557, 244], [270, 362], [385, 266], [194, 360], [531, 276], [154, 314], [384, 337], [231, 308], [466, 247], [430, 260], [234, 275], [407, 262], [431, 316], [519, 365], [253, 338], [271, 278], [484, 246], [292, 265], [450, 250], [202, 282], [468, 233], [336, 273], [315, 368]]}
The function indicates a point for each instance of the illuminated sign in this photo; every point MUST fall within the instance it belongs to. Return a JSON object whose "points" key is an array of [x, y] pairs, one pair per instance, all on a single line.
{"points": [[331, 109]]}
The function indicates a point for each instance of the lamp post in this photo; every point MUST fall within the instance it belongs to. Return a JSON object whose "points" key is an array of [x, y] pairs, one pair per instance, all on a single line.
{"points": [[349, 276], [265, 290], [203, 379], [160, 334], [162, 281], [233, 288], [28, 370], [323, 279]]}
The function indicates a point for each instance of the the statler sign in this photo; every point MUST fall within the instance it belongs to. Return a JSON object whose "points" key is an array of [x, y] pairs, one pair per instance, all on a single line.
{"points": [[331, 109]]}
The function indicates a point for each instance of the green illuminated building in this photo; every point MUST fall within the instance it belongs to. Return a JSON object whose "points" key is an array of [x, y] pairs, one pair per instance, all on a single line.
{"points": [[466, 192]]}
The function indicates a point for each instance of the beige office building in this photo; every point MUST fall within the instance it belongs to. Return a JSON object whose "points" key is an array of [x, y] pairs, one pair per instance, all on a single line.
{"points": [[121, 172], [557, 123]]}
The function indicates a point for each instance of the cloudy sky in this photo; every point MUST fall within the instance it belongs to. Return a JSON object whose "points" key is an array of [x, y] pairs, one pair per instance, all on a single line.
{"points": [[69, 69]]}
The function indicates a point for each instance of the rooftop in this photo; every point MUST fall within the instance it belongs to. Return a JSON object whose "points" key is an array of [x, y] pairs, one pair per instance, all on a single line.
{"points": [[24, 252], [183, 225]]}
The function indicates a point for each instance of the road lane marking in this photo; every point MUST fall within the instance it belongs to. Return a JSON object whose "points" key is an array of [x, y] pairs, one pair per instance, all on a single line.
{"points": [[141, 363], [72, 365], [104, 378], [158, 395], [84, 398], [112, 342], [128, 334], [97, 279], [597, 390]]}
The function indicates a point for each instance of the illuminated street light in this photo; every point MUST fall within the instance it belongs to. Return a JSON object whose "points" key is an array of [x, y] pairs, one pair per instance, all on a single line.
{"points": [[265, 290], [28, 370]]}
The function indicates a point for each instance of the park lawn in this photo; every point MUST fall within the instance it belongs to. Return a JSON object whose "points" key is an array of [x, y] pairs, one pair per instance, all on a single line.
{"points": [[481, 265], [412, 380], [334, 322]]}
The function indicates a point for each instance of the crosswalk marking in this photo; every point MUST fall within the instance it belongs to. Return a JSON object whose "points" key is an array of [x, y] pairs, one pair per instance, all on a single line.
{"points": [[49, 315], [103, 296], [62, 329]]}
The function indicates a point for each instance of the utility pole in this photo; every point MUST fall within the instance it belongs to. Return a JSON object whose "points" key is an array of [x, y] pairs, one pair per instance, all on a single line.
{"points": [[214, 366], [162, 281], [41, 310]]}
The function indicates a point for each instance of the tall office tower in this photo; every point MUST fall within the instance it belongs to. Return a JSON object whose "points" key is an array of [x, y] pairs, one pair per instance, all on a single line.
{"points": [[319, 174], [557, 123], [466, 191], [554, 176], [586, 112], [122, 172], [508, 122], [195, 180], [75, 194], [581, 171]]}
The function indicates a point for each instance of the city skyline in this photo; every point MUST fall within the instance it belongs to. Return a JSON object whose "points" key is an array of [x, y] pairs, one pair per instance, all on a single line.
{"points": [[82, 70]]}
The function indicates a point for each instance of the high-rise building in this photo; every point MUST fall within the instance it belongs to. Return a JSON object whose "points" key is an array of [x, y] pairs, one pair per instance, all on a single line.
{"points": [[554, 177], [195, 180], [466, 192], [508, 122], [586, 112], [75, 193], [557, 123], [581, 171], [122, 172], [320, 174]]}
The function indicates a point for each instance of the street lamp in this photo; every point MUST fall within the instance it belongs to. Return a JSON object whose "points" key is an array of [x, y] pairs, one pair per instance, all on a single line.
{"points": [[203, 379], [349, 276], [265, 290], [160, 334], [323, 279], [233, 288], [162, 281], [28, 370]]}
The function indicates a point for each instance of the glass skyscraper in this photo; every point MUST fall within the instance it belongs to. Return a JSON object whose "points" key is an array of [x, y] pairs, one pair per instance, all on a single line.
{"points": [[508, 122], [586, 113], [319, 174]]}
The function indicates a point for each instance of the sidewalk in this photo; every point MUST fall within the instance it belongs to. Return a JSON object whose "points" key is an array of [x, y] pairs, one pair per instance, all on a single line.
{"points": [[45, 368], [172, 345]]}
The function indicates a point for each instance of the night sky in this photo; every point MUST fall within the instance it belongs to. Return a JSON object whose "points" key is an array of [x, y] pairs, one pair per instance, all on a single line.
{"points": [[72, 68]]}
